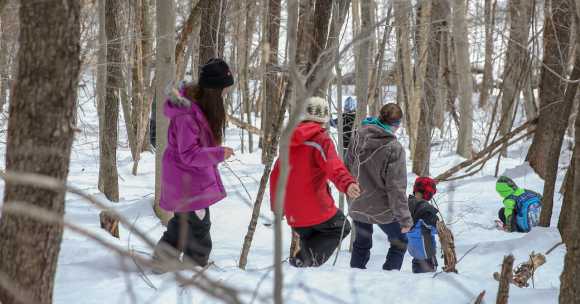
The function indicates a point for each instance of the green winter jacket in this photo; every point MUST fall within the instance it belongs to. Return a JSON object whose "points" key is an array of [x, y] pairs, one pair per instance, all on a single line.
{"points": [[508, 203]]}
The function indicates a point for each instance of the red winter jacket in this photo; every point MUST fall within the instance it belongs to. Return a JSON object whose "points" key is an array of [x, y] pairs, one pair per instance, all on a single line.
{"points": [[313, 161]]}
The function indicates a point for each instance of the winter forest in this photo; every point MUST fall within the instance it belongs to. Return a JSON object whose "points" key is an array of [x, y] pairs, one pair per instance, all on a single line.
{"points": [[290, 151]]}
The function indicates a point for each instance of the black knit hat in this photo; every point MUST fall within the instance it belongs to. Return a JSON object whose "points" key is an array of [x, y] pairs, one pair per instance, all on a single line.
{"points": [[215, 74]]}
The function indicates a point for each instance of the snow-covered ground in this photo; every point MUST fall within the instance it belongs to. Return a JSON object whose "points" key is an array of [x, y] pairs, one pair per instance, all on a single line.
{"points": [[88, 273]]}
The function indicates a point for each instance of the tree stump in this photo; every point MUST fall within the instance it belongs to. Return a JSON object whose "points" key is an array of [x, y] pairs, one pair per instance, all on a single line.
{"points": [[448, 247], [505, 279], [110, 222]]}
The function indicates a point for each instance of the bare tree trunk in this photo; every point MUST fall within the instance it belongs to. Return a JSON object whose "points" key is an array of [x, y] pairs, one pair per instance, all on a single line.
{"points": [[439, 11], [464, 79], [418, 109], [284, 157], [4, 66], [557, 22], [362, 64], [516, 61], [101, 88], [271, 90], [139, 102], [375, 92], [564, 225], [248, 33], [184, 36], [195, 45], [39, 141], [486, 84], [569, 288], [322, 11], [550, 87], [110, 176], [209, 36], [165, 72], [405, 86], [148, 90], [443, 73]]}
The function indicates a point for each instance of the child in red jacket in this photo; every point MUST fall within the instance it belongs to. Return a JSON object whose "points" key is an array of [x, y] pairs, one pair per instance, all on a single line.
{"points": [[308, 204]]}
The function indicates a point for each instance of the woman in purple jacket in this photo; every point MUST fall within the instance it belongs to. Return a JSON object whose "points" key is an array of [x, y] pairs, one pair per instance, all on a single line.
{"points": [[190, 180]]}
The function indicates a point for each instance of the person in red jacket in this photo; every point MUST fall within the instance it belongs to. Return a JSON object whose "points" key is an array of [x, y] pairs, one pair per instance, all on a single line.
{"points": [[308, 204]]}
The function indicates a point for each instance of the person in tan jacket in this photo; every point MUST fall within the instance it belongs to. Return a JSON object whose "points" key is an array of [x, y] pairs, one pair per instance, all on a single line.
{"points": [[377, 160]]}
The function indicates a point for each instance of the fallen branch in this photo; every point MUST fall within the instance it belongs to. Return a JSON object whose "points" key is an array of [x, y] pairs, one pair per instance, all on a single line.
{"points": [[448, 247], [447, 174], [244, 125], [525, 271]]}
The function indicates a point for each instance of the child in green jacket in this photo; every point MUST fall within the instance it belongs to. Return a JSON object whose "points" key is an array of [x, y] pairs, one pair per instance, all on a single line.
{"points": [[522, 207]]}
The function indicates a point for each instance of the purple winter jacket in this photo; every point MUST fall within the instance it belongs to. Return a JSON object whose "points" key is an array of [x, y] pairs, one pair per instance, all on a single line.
{"points": [[190, 179]]}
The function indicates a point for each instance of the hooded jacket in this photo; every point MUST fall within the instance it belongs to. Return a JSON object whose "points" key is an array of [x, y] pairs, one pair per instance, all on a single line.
{"points": [[313, 161], [377, 160], [190, 179], [507, 190]]}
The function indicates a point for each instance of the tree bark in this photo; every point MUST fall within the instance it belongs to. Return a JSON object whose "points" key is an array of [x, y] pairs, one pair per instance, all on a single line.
{"points": [[432, 82], [362, 64], [322, 11], [487, 82], [165, 72], [564, 225], [40, 135], [101, 88], [4, 60], [569, 288], [557, 22], [516, 61], [110, 176], [209, 42], [140, 108], [561, 112], [405, 76], [271, 91], [464, 79], [184, 36]]}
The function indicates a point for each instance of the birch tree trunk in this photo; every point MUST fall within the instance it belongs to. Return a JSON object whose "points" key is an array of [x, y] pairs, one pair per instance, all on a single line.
{"points": [[165, 72], [110, 176], [464, 79], [39, 141]]}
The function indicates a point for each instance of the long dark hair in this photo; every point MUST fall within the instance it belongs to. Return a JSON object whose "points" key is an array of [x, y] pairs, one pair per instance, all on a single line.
{"points": [[212, 105]]}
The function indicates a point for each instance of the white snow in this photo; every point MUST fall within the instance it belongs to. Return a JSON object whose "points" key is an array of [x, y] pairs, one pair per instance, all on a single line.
{"points": [[88, 273]]}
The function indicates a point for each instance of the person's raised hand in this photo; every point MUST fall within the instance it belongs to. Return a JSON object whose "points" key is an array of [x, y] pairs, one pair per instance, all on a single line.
{"points": [[353, 191], [405, 229]]}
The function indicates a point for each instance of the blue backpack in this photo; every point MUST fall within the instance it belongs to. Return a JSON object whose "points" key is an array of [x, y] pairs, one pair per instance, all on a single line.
{"points": [[417, 242], [528, 209]]}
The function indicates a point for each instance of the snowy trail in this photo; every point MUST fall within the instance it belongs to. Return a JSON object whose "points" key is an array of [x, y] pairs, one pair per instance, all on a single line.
{"points": [[88, 273]]}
